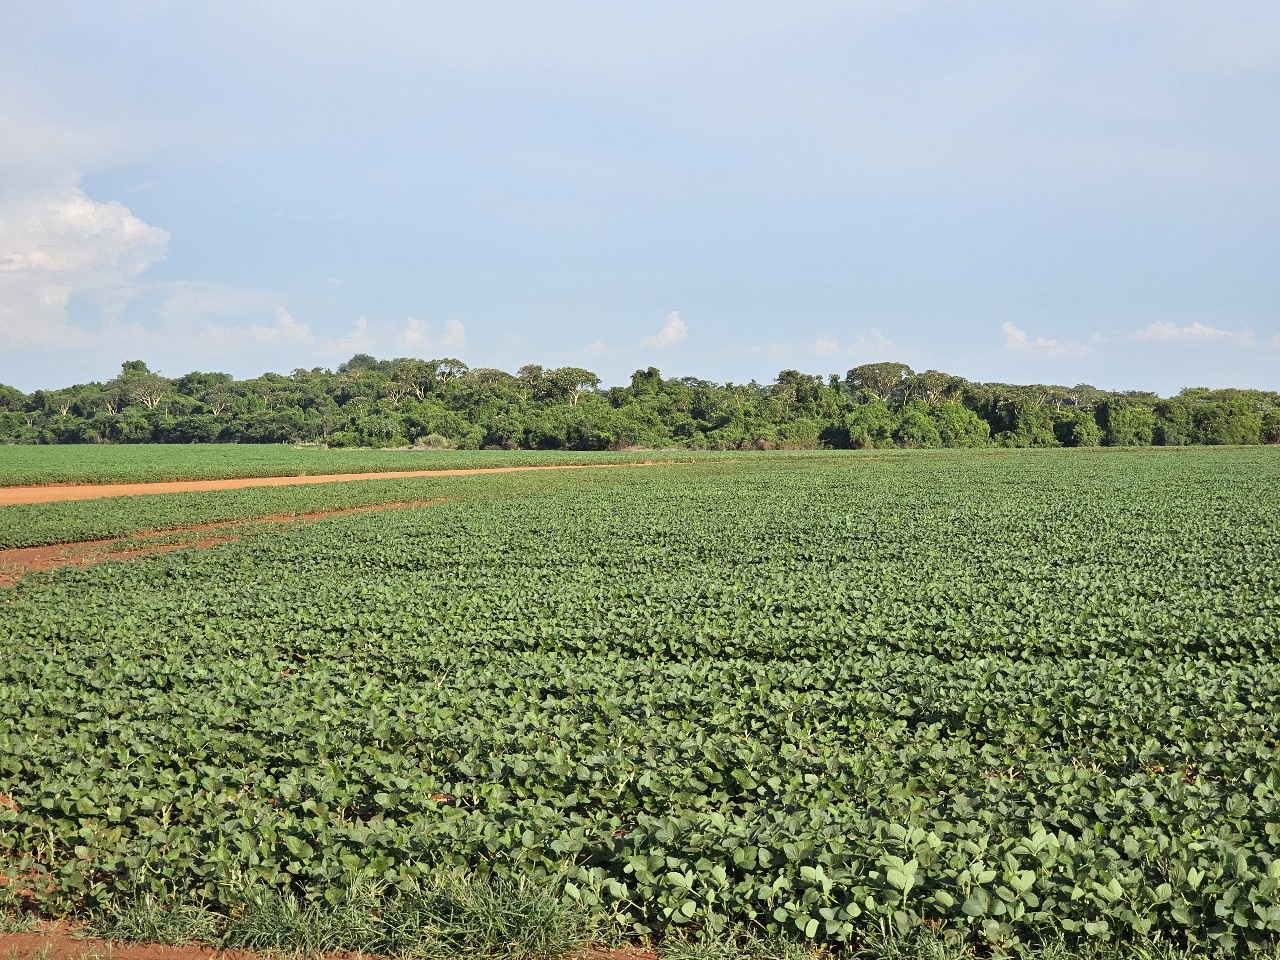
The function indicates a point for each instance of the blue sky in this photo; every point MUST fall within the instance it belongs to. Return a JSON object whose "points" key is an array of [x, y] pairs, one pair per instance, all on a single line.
{"points": [[1050, 192]]}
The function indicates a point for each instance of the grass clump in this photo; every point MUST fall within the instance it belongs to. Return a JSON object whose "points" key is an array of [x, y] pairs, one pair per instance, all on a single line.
{"points": [[447, 917], [150, 919], [16, 921]]}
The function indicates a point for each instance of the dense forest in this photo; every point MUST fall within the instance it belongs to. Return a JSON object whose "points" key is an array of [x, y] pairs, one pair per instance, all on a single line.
{"points": [[444, 403]]}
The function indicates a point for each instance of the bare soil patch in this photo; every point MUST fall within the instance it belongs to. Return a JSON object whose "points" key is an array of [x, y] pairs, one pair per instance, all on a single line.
{"points": [[60, 941], [16, 562], [52, 493]]}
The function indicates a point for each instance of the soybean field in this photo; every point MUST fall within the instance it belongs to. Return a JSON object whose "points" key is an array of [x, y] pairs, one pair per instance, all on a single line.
{"points": [[1007, 694]]}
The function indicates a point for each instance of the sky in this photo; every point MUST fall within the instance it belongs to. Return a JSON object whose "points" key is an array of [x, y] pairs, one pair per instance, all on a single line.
{"points": [[1052, 192]]}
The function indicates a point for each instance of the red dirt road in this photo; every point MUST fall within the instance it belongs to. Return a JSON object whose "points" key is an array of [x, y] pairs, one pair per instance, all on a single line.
{"points": [[52, 493], [60, 941]]}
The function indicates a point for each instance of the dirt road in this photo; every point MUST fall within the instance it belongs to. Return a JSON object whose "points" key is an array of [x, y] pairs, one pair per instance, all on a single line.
{"points": [[52, 493]]}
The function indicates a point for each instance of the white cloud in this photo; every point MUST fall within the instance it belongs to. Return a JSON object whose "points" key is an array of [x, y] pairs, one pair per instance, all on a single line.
{"points": [[826, 346], [187, 302], [70, 266], [286, 330], [455, 335], [1019, 341], [866, 347], [594, 352], [1191, 333], [63, 244], [354, 342], [673, 332], [295, 341], [416, 338], [873, 343], [67, 233]]}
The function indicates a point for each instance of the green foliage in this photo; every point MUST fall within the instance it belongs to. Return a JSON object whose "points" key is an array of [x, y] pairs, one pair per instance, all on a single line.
{"points": [[916, 428], [396, 403], [1125, 423], [1012, 697], [958, 426]]}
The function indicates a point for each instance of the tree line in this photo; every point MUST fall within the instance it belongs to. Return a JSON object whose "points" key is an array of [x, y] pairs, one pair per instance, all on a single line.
{"points": [[444, 403]]}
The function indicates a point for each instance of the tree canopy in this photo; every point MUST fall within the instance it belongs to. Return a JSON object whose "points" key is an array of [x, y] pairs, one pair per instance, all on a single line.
{"points": [[443, 402]]}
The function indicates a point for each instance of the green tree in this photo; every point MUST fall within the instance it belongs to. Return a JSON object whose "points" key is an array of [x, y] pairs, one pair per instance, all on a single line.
{"points": [[881, 380], [868, 425], [958, 426], [1270, 432], [801, 389], [571, 383], [932, 386], [1077, 428], [1125, 423], [1227, 421], [915, 428], [12, 399], [1175, 424]]}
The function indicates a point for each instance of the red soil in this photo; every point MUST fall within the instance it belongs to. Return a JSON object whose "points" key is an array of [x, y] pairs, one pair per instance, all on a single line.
{"points": [[16, 562], [61, 942]]}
